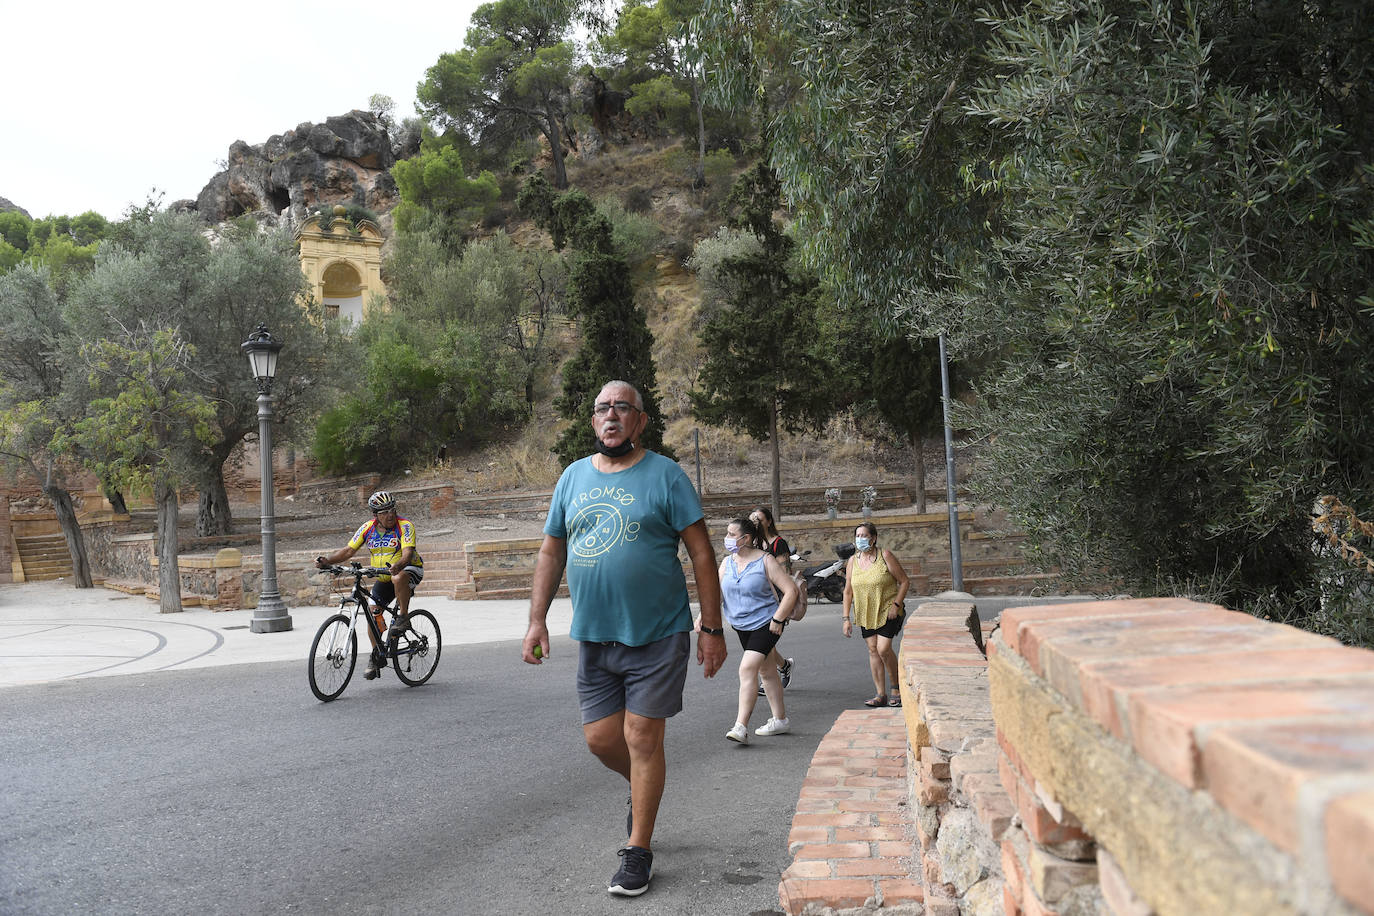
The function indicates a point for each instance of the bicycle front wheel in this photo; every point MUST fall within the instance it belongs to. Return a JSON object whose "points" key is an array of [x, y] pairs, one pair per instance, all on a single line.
{"points": [[333, 655], [416, 652]]}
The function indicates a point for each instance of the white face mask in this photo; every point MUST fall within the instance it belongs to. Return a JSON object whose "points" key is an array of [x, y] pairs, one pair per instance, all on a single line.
{"points": [[731, 545], [861, 543]]}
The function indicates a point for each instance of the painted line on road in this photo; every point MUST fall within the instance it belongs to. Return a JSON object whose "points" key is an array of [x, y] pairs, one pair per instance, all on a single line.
{"points": [[161, 642]]}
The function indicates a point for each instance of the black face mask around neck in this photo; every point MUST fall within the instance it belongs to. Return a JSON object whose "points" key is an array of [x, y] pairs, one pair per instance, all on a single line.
{"points": [[618, 451]]}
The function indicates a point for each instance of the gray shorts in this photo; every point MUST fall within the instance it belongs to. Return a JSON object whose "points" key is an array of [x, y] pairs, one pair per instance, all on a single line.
{"points": [[646, 680]]}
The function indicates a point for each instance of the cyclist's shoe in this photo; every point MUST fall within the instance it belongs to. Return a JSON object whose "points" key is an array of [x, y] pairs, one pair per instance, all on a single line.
{"points": [[375, 664], [636, 868], [399, 627]]}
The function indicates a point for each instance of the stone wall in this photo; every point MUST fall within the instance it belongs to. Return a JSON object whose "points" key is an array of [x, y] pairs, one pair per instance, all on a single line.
{"points": [[118, 556], [920, 542], [961, 812], [1139, 757]]}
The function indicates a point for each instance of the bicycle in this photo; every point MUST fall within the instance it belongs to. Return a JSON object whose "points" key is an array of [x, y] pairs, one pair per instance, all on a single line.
{"points": [[413, 654]]}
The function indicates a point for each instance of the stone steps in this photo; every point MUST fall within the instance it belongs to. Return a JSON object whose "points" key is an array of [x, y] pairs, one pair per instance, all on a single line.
{"points": [[154, 594], [44, 557], [125, 586]]}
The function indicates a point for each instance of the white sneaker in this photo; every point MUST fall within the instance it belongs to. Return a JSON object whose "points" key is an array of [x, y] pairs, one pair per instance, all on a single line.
{"points": [[738, 733], [773, 727]]}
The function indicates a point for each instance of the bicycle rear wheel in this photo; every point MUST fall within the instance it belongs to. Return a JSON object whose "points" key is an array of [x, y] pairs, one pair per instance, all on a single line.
{"points": [[416, 653], [333, 655]]}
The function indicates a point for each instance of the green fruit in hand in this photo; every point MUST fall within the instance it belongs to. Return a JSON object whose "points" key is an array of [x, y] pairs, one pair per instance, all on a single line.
{"points": [[538, 651]]}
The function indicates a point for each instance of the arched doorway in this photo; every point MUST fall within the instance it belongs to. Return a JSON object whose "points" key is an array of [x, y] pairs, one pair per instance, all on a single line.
{"points": [[343, 265], [342, 292]]}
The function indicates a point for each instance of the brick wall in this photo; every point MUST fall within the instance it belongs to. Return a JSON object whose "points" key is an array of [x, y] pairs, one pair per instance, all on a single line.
{"points": [[1122, 758], [1178, 758]]}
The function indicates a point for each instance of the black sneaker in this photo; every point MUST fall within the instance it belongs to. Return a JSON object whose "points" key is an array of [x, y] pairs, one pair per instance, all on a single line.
{"points": [[630, 816], [785, 671], [636, 868], [375, 664]]}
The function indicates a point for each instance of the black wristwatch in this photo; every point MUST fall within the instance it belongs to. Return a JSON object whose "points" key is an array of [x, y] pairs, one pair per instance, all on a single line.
{"points": [[713, 631]]}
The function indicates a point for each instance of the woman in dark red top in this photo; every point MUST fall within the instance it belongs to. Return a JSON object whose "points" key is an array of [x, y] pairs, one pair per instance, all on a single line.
{"points": [[762, 517]]}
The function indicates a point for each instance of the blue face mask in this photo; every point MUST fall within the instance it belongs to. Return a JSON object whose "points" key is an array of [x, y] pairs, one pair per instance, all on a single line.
{"points": [[861, 543], [731, 545]]}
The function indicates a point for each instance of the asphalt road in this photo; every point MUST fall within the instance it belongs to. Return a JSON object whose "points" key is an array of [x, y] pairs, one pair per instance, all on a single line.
{"points": [[232, 790]]}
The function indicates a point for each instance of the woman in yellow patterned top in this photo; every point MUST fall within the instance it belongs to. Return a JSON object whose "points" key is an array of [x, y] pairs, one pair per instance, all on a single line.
{"points": [[874, 591]]}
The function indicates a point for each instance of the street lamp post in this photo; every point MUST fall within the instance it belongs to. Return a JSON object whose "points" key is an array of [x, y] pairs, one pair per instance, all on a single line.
{"points": [[270, 615], [956, 563]]}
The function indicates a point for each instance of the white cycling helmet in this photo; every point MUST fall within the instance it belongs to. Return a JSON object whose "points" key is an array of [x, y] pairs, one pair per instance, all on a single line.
{"points": [[381, 501]]}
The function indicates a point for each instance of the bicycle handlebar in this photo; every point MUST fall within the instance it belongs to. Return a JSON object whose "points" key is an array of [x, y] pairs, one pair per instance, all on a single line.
{"points": [[354, 569]]}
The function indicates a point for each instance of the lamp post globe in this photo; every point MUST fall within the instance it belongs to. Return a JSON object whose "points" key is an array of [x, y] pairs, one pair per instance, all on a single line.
{"points": [[262, 350]]}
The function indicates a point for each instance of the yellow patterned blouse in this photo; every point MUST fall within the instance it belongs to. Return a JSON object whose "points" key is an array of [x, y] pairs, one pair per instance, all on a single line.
{"points": [[875, 590]]}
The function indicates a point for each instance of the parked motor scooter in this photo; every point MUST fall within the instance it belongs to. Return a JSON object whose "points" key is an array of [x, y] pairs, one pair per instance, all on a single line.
{"points": [[827, 579]]}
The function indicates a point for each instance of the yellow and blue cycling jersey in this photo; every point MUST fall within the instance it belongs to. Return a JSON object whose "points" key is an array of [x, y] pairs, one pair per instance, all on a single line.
{"points": [[387, 544]]}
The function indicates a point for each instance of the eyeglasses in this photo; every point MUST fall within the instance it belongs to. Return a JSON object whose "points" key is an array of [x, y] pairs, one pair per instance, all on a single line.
{"points": [[621, 408]]}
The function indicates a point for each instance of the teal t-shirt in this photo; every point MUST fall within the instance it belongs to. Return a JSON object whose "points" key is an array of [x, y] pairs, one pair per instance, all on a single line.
{"points": [[622, 531]]}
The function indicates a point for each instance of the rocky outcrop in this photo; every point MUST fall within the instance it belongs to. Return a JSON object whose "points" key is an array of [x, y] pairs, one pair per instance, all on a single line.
{"points": [[345, 160], [6, 205]]}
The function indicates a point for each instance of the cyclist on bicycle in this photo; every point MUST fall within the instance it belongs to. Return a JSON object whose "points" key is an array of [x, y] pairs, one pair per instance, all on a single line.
{"points": [[391, 539]]}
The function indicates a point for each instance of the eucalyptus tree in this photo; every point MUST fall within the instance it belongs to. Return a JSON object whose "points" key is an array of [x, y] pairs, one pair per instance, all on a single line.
{"points": [[512, 75], [861, 109]]}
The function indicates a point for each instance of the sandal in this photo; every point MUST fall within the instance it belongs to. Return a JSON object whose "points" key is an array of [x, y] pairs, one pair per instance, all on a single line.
{"points": [[879, 700], [895, 700]]}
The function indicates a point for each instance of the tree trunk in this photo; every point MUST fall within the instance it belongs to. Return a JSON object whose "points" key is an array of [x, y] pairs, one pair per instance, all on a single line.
{"points": [[777, 460], [918, 446], [700, 180], [168, 572], [213, 515], [114, 497], [560, 171], [71, 531]]}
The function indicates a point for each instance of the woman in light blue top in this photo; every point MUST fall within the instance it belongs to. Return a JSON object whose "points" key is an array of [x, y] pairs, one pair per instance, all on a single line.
{"points": [[751, 581]]}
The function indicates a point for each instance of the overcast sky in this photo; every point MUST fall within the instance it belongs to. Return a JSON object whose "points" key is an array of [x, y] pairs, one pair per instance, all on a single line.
{"points": [[106, 101]]}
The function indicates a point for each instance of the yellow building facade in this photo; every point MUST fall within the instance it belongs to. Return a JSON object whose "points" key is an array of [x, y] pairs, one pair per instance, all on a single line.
{"points": [[342, 264]]}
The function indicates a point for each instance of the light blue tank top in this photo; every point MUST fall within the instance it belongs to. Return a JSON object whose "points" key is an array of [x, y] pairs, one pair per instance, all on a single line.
{"points": [[747, 595]]}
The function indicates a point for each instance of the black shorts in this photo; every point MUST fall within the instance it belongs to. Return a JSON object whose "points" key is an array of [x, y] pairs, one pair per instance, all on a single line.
{"points": [[760, 641], [384, 592], [888, 630]]}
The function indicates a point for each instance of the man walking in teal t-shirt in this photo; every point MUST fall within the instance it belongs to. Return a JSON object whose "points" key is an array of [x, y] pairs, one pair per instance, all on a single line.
{"points": [[614, 524]]}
